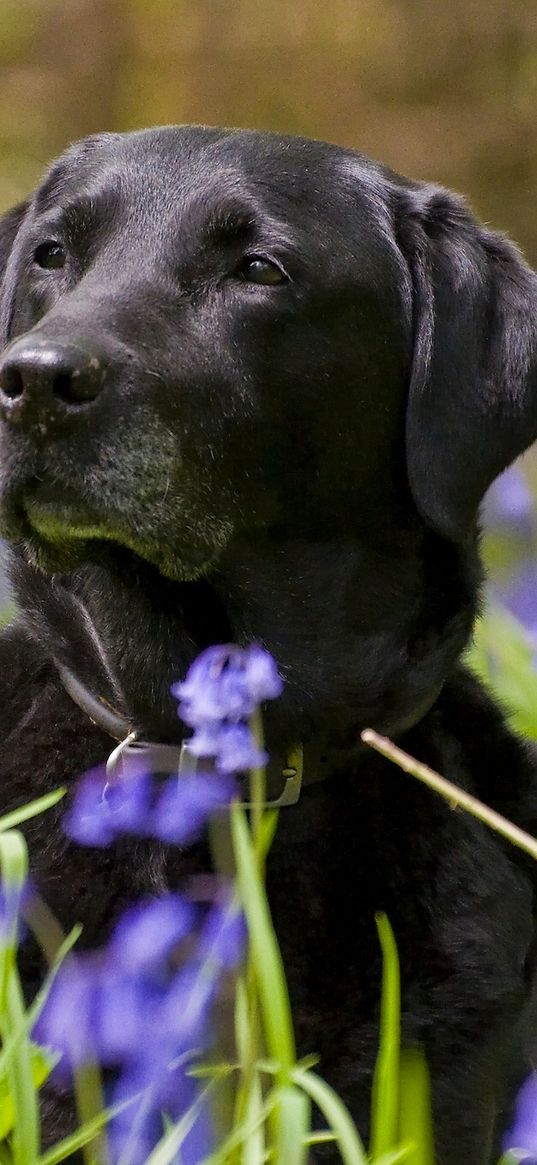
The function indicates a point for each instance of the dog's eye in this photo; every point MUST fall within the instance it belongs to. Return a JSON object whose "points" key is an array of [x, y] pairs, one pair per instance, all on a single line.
{"points": [[256, 269], [50, 255]]}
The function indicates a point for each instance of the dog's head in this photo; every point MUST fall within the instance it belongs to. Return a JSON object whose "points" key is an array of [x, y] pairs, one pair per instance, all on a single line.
{"points": [[208, 333], [213, 330], [212, 336]]}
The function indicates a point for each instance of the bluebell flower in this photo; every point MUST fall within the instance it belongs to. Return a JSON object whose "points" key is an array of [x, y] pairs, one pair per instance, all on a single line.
{"points": [[134, 1010], [227, 683], [175, 811], [135, 1131], [181, 1023], [223, 936], [518, 593], [222, 689], [509, 502], [94, 1012], [101, 812], [12, 900], [123, 1006], [522, 1137], [131, 1005], [67, 1022], [184, 805], [147, 932], [237, 750], [232, 746]]}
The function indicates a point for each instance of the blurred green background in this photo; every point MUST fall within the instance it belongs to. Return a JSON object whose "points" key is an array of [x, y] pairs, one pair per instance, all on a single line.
{"points": [[438, 90]]}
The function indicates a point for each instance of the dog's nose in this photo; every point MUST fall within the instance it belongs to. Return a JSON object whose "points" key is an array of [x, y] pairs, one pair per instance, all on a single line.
{"points": [[47, 378]]}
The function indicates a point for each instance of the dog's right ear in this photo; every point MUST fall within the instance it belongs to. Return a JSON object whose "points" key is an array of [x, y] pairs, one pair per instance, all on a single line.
{"points": [[9, 226], [10, 223]]}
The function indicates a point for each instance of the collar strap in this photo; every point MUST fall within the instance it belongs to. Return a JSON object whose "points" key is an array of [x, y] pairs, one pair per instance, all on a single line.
{"points": [[304, 765], [100, 712], [300, 767]]}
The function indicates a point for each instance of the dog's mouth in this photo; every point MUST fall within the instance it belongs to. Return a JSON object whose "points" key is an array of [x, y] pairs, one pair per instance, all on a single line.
{"points": [[59, 530], [63, 520]]}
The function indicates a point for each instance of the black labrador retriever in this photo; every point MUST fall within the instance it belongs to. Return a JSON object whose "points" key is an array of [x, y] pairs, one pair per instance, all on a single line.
{"points": [[254, 388]]}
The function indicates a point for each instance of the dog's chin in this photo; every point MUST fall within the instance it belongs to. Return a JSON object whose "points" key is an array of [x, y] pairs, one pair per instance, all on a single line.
{"points": [[59, 539]]}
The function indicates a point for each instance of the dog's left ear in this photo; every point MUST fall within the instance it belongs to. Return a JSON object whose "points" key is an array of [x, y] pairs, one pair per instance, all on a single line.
{"points": [[472, 404]]}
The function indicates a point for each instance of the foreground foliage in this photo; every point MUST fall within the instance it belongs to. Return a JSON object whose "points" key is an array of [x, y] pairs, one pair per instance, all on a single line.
{"points": [[147, 1003]]}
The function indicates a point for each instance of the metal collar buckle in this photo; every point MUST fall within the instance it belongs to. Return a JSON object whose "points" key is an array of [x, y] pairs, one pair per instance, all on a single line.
{"points": [[292, 775], [180, 759]]}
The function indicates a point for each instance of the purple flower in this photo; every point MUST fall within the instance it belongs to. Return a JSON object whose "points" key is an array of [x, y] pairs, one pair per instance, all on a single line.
{"points": [[122, 1008], [185, 803], [129, 1004], [232, 745], [223, 937], [145, 934], [130, 1007], [227, 683], [522, 1137], [94, 1012], [101, 811], [237, 751], [222, 689], [12, 899], [67, 1022], [509, 502], [135, 1131], [175, 811], [186, 1008], [519, 595]]}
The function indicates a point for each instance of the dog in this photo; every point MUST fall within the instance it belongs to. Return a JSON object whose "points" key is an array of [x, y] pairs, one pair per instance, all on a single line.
{"points": [[254, 388]]}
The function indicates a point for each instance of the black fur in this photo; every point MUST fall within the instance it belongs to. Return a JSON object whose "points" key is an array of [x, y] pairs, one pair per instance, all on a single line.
{"points": [[299, 464]]}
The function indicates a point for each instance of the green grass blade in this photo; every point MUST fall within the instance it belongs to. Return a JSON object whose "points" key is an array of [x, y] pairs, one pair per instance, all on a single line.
{"points": [[402, 1154], [82, 1137], [385, 1097], [172, 1140], [242, 1021], [266, 955], [5, 1154], [350, 1146], [26, 812], [241, 1133], [41, 1067], [293, 1120], [89, 1097], [19, 1073], [14, 868], [253, 1126], [247, 1041], [415, 1122], [21, 1080], [30, 1017]]}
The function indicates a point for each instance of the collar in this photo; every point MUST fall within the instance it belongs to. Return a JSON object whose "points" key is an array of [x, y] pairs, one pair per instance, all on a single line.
{"points": [[300, 767]]}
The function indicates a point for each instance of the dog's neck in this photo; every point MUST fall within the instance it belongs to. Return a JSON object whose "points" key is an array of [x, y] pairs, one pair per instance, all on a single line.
{"points": [[350, 627]]}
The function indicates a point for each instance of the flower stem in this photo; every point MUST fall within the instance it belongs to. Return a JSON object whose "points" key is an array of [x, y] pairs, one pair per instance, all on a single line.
{"points": [[257, 779], [457, 798]]}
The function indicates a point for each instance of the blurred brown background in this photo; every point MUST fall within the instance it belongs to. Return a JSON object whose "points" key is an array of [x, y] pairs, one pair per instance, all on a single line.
{"points": [[442, 89]]}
